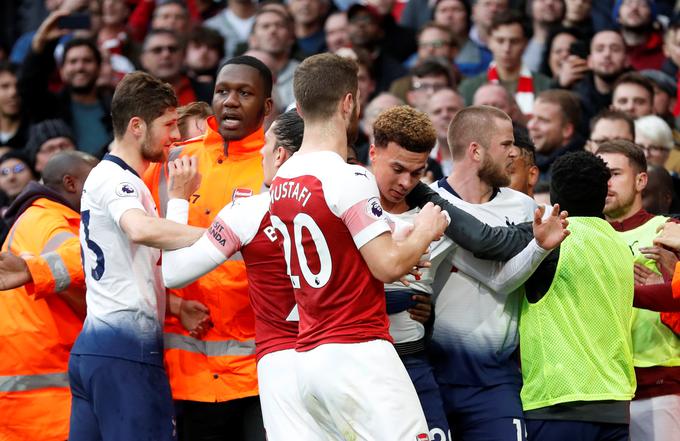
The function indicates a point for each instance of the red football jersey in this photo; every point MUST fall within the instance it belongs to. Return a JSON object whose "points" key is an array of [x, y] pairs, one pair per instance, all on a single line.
{"points": [[324, 211], [244, 225]]}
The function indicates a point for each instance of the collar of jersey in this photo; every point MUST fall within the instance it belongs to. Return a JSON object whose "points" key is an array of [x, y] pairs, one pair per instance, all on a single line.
{"points": [[443, 183], [244, 148], [122, 164]]}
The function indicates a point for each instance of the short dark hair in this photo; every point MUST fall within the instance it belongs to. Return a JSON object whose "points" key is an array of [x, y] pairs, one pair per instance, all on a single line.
{"points": [[320, 83], [288, 130], [507, 18], [431, 67], [632, 151], [140, 94], [473, 124], [615, 115], [568, 102], [6, 66], [198, 109], [524, 142], [635, 78], [209, 37], [579, 184], [406, 126], [160, 31], [78, 42], [453, 39], [247, 60]]}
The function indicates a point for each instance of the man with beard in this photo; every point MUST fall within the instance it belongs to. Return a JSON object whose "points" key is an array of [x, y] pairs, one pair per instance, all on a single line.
{"points": [[79, 103], [544, 14], [475, 335], [214, 378], [643, 36], [607, 60], [118, 383]]}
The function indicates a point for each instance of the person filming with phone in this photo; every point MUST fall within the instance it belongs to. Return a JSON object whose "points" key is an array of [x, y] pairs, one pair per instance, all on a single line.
{"points": [[84, 108]]}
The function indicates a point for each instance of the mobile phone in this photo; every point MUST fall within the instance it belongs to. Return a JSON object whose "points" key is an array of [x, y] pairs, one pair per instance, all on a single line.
{"points": [[79, 20], [579, 49]]}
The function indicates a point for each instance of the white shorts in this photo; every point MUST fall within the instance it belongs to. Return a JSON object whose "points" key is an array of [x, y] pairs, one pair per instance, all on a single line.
{"points": [[360, 391], [282, 409], [655, 419]]}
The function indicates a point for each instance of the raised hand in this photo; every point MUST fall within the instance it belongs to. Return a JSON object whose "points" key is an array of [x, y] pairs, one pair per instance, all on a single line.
{"points": [[669, 236], [550, 233], [49, 30], [13, 272], [644, 276], [184, 178], [433, 220]]}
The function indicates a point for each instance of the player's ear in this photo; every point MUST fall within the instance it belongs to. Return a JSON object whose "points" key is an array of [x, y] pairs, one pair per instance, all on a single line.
{"points": [[282, 156], [69, 183], [372, 152], [137, 127]]}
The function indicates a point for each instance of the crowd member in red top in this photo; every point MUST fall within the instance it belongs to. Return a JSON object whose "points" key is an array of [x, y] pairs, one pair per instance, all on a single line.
{"points": [[341, 256], [654, 345], [643, 35]]}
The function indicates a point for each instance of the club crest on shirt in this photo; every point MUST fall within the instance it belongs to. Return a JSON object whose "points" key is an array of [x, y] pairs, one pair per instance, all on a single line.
{"points": [[125, 189], [241, 193], [373, 208]]}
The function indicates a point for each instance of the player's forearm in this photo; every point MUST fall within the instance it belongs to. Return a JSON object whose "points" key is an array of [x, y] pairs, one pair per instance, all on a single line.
{"points": [[164, 234], [184, 265], [402, 256]]}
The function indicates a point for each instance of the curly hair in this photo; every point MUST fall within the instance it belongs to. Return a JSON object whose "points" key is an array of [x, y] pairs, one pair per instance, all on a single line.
{"points": [[406, 126], [579, 184]]}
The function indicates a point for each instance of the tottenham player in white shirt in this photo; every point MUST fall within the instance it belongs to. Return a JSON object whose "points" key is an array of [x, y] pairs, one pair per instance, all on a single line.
{"points": [[119, 387]]}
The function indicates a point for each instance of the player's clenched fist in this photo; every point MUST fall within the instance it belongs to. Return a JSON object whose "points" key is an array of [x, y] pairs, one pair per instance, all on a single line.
{"points": [[432, 219], [184, 178]]}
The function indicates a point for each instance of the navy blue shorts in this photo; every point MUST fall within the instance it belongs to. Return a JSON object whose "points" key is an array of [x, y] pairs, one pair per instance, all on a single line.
{"points": [[420, 371], [492, 413], [557, 430], [115, 399]]}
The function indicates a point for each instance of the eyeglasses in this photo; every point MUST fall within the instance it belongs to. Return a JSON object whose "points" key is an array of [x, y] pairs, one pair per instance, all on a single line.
{"points": [[6, 171], [428, 87], [159, 49], [435, 44]]}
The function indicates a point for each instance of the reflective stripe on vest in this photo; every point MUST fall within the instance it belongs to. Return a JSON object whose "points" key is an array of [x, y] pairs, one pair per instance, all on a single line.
{"points": [[19, 383], [62, 279], [209, 348], [56, 241]]}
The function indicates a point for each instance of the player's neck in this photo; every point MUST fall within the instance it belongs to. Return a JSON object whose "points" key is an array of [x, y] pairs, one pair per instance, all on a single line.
{"points": [[131, 155], [465, 181], [625, 214], [324, 136], [394, 207]]}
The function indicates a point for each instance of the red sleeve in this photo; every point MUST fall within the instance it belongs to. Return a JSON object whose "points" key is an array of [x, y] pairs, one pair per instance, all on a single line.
{"points": [[194, 13], [140, 19], [656, 298]]}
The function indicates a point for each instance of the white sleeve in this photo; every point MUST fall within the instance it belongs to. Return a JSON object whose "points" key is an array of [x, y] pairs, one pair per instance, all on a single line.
{"points": [[185, 265], [119, 196], [356, 201], [502, 277]]}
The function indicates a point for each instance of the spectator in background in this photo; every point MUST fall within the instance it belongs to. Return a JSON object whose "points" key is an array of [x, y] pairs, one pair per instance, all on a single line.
{"points": [[308, 18], [508, 38], [554, 128], [609, 125], [172, 15], [234, 23], [665, 93], [657, 197], [205, 49], [13, 123], [442, 106], [336, 33], [559, 63], [497, 96], [365, 32], [15, 174], [577, 16], [427, 78], [607, 61], [399, 41], [523, 170], [656, 139], [48, 138], [86, 109], [642, 34], [634, 95], [545, 15], [671, 49], [162, 57], [365, 77], [381, 102], [191, 119], [273, 33], [483, 13]]}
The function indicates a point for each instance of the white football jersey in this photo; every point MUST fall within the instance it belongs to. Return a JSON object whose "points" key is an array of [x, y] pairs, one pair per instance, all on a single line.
{"points": [[125, 292]]}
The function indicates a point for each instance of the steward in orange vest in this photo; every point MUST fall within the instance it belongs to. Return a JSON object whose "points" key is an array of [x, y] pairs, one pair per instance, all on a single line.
{"points": [[205, 373], [36, 330]]}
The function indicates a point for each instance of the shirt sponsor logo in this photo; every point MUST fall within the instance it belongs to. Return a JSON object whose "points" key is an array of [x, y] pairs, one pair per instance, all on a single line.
{"points": [[373, 208], [125, 189]]}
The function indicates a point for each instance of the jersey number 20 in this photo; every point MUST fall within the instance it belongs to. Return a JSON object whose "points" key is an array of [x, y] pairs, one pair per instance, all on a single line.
{"points": [[303, 220]]}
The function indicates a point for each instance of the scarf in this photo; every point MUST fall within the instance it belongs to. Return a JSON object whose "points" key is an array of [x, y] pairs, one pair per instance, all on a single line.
{"points": [[525, 87]]}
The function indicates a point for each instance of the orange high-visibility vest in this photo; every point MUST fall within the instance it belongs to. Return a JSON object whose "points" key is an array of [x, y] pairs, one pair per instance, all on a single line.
{"points": [[220, 366], [672, 319], [37, 332]]}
